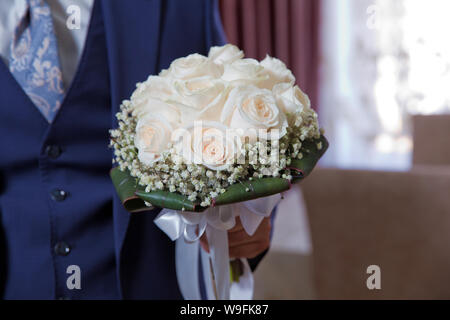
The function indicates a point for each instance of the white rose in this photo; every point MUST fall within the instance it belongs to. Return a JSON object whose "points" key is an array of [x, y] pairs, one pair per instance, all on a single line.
{"points": [[276, 72], [251, 109], [192, 66], [290, 99], [226, 54], [177, 114], [244, 72], [154, 106], [208, 143], [204, 95], [164, 73], [198, 92], [154, 87], [153, 133]]}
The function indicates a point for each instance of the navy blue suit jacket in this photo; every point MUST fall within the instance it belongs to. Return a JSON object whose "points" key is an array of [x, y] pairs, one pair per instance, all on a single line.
{"points": [[144, 37]]}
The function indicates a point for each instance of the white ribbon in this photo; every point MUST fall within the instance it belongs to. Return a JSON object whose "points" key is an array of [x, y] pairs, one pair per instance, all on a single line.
{"points": [[186, 228]]}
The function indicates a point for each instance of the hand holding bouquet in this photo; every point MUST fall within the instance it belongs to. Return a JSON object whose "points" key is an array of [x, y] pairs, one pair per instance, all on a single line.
{"points": [[207, 134]]}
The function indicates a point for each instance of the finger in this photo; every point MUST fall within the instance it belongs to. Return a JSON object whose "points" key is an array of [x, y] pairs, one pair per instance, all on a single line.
{"points": [[249, 251], [237, 227], [241, 237], [263, 229], [204, 243], [246, 243]]}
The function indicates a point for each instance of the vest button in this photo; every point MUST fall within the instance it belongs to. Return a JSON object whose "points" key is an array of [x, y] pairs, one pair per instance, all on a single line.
{"points": [[53, 152], [58, 195], [62, 249]]}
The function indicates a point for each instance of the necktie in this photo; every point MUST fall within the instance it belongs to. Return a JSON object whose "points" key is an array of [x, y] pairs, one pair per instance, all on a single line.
{"points": [[34, 61]]}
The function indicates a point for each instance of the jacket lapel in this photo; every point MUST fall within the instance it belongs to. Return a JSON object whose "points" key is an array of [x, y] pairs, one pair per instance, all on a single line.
{"points": [[131, 58]]}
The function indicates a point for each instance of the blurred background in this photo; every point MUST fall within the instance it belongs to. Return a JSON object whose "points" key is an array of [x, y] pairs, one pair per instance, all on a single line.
{"points": [[377, 73]]}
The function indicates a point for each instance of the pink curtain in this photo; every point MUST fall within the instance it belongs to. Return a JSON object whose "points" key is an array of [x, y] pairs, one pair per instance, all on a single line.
{"points": [[286, 29]]}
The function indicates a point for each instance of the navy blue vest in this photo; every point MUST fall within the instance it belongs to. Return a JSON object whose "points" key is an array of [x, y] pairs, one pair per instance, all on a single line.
{"points": [[51, 215], [57, 204]]}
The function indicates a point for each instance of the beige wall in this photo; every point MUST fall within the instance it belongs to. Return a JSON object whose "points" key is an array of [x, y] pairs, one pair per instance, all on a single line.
{"points": [[431, 140], [397, 220]]}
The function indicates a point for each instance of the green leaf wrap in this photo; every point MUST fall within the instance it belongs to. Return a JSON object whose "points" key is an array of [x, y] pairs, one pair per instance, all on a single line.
{"points": [[169, 200], [133, 196], [126, 188]]}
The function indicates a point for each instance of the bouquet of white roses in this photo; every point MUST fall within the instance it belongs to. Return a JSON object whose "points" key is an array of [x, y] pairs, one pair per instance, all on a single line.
{"points": [[210, 132]]}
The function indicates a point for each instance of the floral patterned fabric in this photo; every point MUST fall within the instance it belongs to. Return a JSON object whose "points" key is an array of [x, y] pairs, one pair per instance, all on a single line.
{"points": [[34, 59]]}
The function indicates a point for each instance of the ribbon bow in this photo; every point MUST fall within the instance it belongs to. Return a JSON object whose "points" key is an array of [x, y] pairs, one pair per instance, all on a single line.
{"points": [[186, 228]]}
